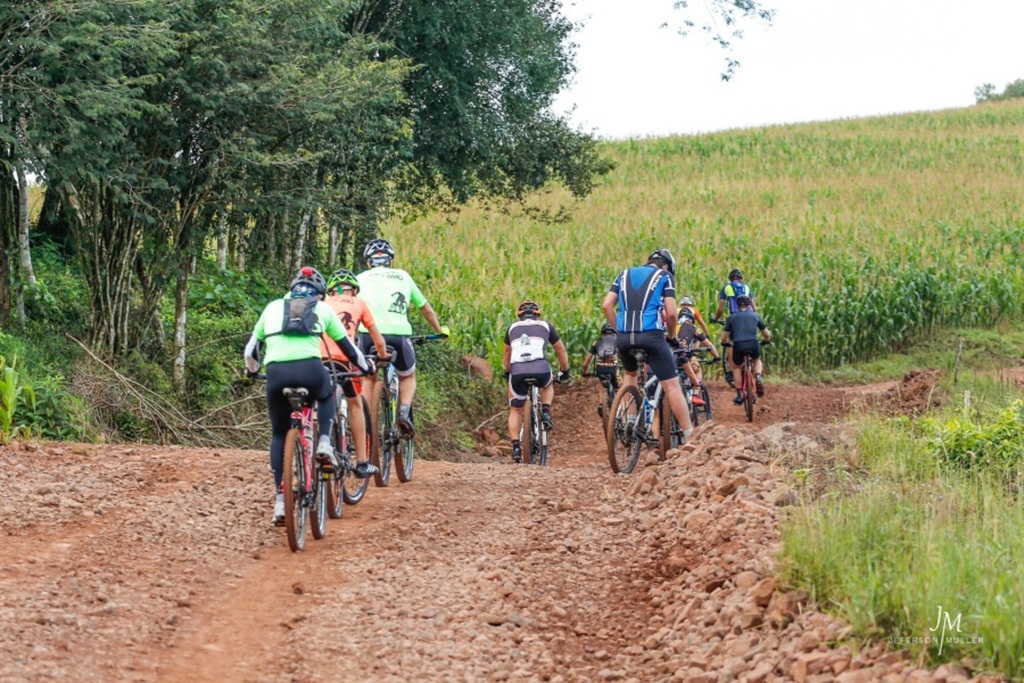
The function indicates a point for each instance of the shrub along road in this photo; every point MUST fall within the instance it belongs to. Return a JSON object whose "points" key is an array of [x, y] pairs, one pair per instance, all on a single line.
{"points": [[135, 563]]}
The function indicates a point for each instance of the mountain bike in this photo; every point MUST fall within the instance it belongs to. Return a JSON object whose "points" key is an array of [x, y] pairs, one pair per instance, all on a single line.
{"points": [[305, 479], [631, 425], [344, 486], [532, 435], [725, 358], [388, 443], [698, 400], [747, 383], [604, 408]]}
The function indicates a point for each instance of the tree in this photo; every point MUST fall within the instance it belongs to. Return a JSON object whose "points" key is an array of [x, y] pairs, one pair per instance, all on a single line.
{"points": [[721, 20], [987, 92], [479, 96]]}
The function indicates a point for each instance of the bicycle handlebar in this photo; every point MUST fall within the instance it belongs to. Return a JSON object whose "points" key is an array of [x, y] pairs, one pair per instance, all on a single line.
{"points": [[419, 340]]}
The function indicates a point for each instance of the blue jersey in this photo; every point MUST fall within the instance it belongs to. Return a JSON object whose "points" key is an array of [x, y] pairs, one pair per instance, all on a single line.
{"points": [[641, 291], [732, 290]]}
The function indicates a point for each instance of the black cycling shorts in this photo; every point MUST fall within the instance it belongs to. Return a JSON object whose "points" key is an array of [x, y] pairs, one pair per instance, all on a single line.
{"points": [[659, 353], [518, 391], [743, 349], [404, 359]]}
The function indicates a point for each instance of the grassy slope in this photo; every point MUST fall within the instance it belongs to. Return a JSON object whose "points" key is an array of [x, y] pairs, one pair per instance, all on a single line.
{"points": [[834, 223]]}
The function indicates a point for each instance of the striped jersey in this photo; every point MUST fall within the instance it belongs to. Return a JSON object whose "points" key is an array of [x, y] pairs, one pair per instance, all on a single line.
{"points": [[641, 291]]}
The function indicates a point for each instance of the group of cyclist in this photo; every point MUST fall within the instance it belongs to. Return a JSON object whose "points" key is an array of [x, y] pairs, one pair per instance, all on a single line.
{"points": [[316, 324], [641, 313], [350, 319]]}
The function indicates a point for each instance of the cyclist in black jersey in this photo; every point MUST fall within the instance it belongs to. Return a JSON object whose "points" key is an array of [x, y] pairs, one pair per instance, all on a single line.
{"points": [[605, 356], [741, 329]]}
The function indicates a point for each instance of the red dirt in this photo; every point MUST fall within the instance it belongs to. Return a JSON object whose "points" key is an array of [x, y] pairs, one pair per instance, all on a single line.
{"points": [[132, 563]]}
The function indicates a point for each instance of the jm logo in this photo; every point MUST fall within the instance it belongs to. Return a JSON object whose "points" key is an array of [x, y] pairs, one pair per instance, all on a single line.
{"points": [[947, 624]]}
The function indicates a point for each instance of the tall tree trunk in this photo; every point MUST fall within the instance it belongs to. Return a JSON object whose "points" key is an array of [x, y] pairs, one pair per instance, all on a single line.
{"points": [[300, 241], [108, 239], [7, 232], [180, 312], [346, 248], [27, 272], [222, 243], [271, 243], [332, 246]]}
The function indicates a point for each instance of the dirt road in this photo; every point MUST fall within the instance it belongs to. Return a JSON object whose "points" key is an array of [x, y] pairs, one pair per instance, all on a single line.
{"points": [[130, 563]]}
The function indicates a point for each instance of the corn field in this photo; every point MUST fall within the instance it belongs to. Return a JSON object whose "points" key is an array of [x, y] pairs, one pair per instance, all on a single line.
{"points": [[856, 236]]}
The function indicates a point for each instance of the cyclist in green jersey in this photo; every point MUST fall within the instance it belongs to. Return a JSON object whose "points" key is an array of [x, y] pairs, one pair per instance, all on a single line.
{"points": [[390, 293], [291, 327]]}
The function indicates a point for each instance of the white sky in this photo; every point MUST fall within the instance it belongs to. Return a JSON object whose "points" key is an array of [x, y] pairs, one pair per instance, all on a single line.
{"points": [[819, 60]]}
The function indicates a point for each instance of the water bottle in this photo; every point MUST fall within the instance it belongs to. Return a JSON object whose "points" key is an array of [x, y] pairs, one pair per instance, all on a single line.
{"points": [[648, 410]]}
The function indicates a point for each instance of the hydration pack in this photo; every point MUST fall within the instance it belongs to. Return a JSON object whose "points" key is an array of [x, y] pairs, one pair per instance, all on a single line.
{"points": [[299, 317]]}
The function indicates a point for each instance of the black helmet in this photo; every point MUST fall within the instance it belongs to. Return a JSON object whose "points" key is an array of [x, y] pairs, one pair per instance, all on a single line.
{"points": [[743, 300], [308, 282], [666, 258], [528, 309], [379, 252], [343, 277], [735, 274], [607, 329]]}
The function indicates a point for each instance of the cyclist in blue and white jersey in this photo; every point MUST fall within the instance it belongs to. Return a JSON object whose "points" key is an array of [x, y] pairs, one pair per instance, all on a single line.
{"points": [[646, 319]]}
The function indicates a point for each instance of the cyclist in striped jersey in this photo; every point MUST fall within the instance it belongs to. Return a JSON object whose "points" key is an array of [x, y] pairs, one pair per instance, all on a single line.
{"points": [[646, 319]]}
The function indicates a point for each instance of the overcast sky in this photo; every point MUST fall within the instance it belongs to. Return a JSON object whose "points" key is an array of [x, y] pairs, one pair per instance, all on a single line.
{"points": [[819, 60]]}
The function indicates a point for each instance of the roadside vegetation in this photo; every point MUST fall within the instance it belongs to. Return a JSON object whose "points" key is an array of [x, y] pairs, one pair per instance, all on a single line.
{"points": [[914, 534]]}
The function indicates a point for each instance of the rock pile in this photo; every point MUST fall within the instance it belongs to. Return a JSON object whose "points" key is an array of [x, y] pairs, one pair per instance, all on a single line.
{"points": [[713, 511]]}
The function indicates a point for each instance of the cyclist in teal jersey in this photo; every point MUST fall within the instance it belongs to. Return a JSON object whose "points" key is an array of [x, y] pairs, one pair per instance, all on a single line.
{"points": [[727, 298], [291, 327], [390, 293]]}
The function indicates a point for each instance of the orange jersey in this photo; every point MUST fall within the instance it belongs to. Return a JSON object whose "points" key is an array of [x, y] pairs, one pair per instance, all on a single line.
{"points": [[352, 311]]}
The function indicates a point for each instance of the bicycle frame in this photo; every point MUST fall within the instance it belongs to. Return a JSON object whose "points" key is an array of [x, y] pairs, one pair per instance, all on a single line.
{"points": [[531, 433], [303, 419]]}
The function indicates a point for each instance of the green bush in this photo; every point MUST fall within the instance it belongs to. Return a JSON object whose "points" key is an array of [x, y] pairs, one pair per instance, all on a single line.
{"points": [[969, 442], [57, 414]]}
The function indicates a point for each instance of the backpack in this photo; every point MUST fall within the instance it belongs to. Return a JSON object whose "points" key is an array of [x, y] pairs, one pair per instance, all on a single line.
{"points": [[299, 317], [738, 289]]}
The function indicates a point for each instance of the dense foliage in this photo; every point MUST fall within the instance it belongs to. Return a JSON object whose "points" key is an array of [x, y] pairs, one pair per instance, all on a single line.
{"points": [[218, 145]]}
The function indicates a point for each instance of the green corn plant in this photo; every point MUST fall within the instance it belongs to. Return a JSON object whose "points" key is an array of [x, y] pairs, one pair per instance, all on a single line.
{"points": [[11, 390]]}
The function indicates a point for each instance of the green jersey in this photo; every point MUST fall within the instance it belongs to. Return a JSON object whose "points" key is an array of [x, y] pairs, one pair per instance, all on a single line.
{"points": [[285, 347], [389, 292]]}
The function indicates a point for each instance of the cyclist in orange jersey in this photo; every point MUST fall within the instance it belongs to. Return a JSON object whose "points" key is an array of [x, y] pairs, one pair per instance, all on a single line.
{"points": [[343, 289]]}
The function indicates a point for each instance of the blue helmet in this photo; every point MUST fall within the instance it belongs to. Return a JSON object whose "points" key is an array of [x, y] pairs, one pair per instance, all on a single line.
{"points": [[308, 282]]}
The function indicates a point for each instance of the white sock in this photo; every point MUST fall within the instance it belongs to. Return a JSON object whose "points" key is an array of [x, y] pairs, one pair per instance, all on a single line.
{"points": [[687, 432]]}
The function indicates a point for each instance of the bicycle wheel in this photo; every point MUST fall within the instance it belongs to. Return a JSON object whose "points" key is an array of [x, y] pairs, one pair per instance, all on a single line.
{"points": [[626, 429], [748, 391], [671, 435], [294, 485], [381, 447], [707, 404], [538, 438], [404, 456], [335, 483], [542, 447], [355, 488], [606, 407], [526, 432], [317, 501]]}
